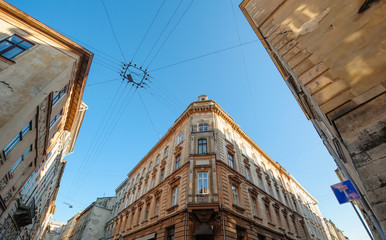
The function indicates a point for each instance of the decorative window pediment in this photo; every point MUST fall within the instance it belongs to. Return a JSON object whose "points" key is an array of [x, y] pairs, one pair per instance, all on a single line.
{"points": [[235, 180], [174, 180]]}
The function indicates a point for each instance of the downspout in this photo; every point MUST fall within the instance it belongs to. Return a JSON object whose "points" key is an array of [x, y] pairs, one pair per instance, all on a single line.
{"points": [[186, 222], [348, 176]]}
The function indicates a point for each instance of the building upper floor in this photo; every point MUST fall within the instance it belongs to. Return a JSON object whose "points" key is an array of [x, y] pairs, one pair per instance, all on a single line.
{"points": [[205, 158]]}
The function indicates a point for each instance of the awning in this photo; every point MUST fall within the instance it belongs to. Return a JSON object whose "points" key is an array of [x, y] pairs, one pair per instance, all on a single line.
{"points": [[147, 237]]}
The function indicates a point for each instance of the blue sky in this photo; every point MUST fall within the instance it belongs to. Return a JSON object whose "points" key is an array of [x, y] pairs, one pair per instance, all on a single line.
{"points": [[243, 80]]}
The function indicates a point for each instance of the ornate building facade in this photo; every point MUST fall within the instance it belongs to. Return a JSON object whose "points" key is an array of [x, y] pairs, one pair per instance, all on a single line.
{"points": [[206, 179], [42, 79], [332, 56]]}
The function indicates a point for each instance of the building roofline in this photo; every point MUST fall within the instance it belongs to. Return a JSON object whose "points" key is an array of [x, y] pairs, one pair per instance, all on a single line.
{"points": [[221, 112], [85, 55]]}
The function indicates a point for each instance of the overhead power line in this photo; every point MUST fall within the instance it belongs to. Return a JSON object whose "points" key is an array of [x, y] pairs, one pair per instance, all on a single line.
{"points": [[112, 80], [170, 33], [112, 29], [162, 32], [203, 55], [151, 121], [148, 29]]}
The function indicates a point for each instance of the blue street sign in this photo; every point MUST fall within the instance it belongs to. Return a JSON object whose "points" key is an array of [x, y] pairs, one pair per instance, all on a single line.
{"points": [[345, 192]]}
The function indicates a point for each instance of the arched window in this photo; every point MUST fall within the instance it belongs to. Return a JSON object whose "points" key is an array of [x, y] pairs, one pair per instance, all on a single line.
{"points": [[202, 146]]}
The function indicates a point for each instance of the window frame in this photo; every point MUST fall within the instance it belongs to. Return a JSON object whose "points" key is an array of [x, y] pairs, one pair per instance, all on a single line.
{"points": [[231, 161], [201, 143], [147, 210], [254, 206], [157, 205], [14, 45], [170, 233], [20, 160], [59, 96], [162, 175], [17, 139], [235, 195], [203, 179], [56, 119], [248, 174], [175, 196], [178, 162], [180, 138], [203, 127]]}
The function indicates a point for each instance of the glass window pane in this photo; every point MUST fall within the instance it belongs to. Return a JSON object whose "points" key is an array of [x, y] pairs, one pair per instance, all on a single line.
{"points": [[25, 44], [4, 45], [15, 39], [13, 52]]}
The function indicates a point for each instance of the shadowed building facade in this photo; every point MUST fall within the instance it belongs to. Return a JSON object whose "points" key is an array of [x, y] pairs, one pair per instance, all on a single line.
{"points": [[332, 56], [42, 79], [206, 179]]}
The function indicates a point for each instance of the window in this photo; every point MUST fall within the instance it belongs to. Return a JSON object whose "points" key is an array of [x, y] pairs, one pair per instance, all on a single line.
{"points": [[138, 193], [260, 181], [22, 158], [202, 146], [156, 207], [227, 135], [18, 138], [241, 233], [147, 212], [235, 193], [59, 95], [248, 174], [202, 183], [28, 181], [152, 182], [13, 46], [144, 188], [161, 178], [157, 160], [178, 161], [230, 160], [254, 206], [139, 215], [180, 138], [203, 127], [278, 219], [268, 213], [175, 196], [56, 118], [166, 152], [170, 233], [150, 167]]}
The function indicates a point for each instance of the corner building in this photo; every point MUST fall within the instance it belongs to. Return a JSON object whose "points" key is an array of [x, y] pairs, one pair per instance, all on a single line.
{"points": [[206, 179]]}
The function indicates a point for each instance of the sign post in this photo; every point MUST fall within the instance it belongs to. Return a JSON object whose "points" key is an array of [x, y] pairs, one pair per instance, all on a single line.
{"points": [[346, 192]]}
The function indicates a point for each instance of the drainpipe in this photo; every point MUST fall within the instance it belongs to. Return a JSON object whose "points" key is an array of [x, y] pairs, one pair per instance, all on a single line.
{"points": [[186, 222], [348, 176]]}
